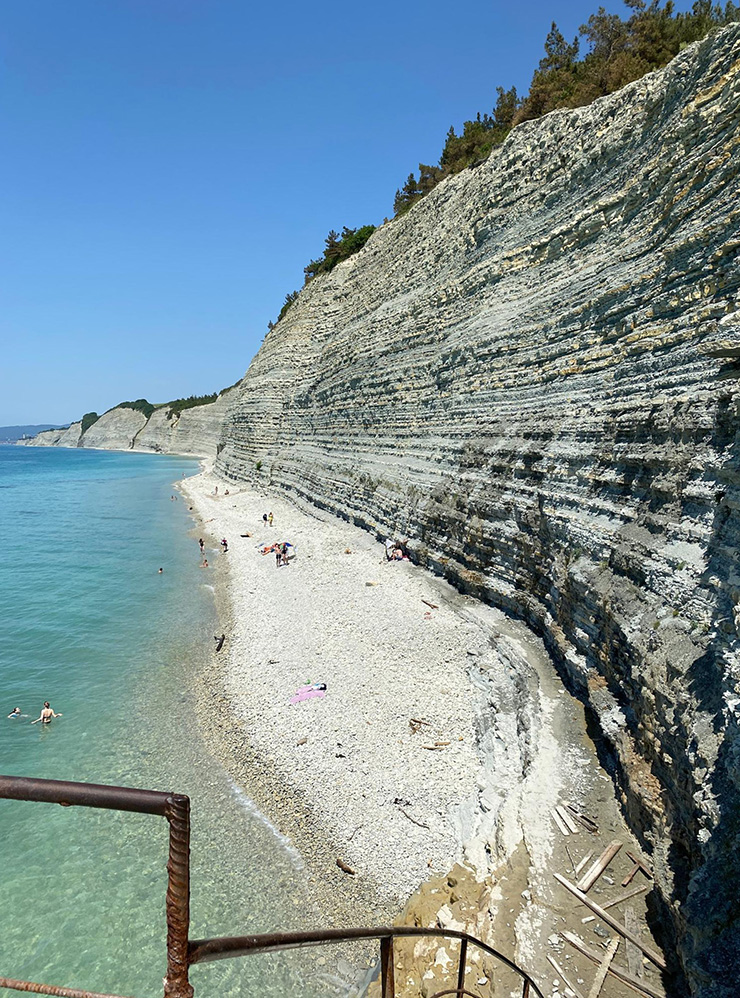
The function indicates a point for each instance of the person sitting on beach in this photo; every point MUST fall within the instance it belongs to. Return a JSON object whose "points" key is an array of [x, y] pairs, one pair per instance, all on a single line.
{"points": [[46, 714]]}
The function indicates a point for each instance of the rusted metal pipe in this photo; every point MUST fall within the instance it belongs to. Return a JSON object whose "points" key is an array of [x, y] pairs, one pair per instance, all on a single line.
{"points": [[50, 989], [461, 965], [83, 794], [181, 953], [176, 983], [205, 950], [387, 975]]}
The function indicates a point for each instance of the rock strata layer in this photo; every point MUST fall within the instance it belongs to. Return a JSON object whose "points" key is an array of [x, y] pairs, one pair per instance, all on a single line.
{"points": [[194, 431], [533, 376]]}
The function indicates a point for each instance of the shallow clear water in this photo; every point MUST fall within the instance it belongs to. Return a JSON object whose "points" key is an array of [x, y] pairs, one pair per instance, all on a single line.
{"points": [[87, 622]]}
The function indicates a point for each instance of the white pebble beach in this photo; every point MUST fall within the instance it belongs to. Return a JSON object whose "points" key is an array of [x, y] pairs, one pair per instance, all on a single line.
{"points": [[383, 762]]}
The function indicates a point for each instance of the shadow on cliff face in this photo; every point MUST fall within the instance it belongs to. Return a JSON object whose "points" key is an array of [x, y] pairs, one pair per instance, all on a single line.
{"points": [[712, 900]]}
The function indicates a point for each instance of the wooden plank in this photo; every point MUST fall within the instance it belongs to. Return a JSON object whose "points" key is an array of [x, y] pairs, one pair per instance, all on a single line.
{"points": [[603, 970], [615, 970], [561, 973], [572, 826], [634, 957], [628, 879], [583, 862], [592, 875], [572, 864], [559, 822], [589, 825], [620, 973], [641, 863], [627, 895], [649, 952]]}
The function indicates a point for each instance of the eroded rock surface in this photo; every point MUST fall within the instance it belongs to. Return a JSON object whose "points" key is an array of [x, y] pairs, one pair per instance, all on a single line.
{"points": [[115, 430], [533, 376], [194, 431], [68, 437]]}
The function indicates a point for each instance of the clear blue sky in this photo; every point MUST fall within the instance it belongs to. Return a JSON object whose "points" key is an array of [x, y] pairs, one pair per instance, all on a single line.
{"points": [[169, 166]]}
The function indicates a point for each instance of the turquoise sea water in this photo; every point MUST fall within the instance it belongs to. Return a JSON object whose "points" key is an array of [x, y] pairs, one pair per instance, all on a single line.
{"points": [[87, 623]]}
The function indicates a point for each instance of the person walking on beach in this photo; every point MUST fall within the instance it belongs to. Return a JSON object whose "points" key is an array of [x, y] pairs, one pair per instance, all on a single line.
{"points": [[46, 714], [202, 546], [264, 518], [269, 518]]}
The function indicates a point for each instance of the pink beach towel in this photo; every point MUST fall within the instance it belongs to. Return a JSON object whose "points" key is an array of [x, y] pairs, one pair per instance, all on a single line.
{"points": [[307, 693]]}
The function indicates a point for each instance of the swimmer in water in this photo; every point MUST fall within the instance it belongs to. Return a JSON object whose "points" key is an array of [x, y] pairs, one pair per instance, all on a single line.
{"points": [[46, 714], [160, 571], [15, 712]]}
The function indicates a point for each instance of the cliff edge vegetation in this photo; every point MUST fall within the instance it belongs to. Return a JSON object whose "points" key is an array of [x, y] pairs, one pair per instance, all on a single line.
{"points": [[608, 52]]}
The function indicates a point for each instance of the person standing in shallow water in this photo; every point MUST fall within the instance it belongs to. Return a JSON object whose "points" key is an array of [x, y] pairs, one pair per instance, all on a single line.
{"points": [[46, 714]]}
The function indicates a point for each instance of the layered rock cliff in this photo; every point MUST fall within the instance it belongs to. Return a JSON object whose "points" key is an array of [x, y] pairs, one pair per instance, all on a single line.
{"points": [[67, 437], [533, 375], [194, 432]]}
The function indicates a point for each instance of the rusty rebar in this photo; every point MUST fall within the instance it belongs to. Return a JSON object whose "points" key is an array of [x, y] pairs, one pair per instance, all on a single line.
{"points": [[176, 984], [225, 947], [50, 989], [461, 965], [387, 970]]}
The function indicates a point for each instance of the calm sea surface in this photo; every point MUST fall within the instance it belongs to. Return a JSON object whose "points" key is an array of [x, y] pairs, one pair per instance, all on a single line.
{"points": [[87, 623]]}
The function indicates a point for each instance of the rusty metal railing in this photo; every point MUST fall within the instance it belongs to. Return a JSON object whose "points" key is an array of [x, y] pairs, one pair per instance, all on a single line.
{"points": [[182, 953]]}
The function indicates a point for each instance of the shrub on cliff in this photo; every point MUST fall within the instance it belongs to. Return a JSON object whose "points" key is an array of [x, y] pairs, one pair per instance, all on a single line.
{"points": [[88, 419], [140, 405], [338, 248], [618, 52], [177, 406]]}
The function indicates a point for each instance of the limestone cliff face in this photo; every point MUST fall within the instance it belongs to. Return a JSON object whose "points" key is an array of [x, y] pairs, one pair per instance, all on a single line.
{"points": [[534, 376], [68, 437], [115, 430], [194, 432]]}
